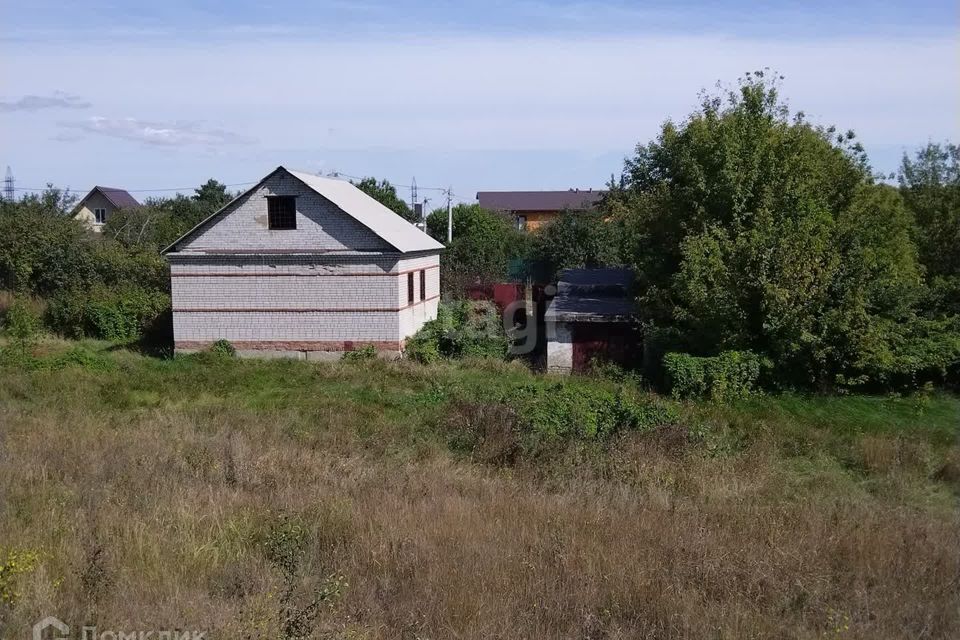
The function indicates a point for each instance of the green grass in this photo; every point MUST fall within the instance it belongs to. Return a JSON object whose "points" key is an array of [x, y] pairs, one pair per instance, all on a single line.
{"points": [[398, 406], [150, 488]]}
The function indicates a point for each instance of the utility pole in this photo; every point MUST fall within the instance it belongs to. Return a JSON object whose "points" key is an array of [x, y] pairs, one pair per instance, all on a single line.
{"points": [[449, 214], [423, 213]]}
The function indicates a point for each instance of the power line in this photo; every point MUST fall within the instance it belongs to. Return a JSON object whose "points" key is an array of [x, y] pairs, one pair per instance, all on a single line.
{"points": [[235, 184], [331, 174], [395, 183]]}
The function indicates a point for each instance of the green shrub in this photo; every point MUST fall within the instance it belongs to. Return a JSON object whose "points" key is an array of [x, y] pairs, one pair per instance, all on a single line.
{"points": [[21, 325], [119, 266], [572, 409], [601, 367], [81, 357], [121, 314], [424, 346], [727, 376], [461, 329], [363, 354], [223, 349]]}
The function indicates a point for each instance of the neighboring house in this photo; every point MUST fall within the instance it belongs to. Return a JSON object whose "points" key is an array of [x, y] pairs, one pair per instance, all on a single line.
{"points": [[533, 209], [305, 267], [98, 205], [592, 316]]}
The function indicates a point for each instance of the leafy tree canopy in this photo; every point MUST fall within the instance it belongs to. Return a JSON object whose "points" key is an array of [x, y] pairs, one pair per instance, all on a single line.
{"points": [[752, 229], [576, 239], [483, 245], [386, 194], [930, 184], [212, 195]]}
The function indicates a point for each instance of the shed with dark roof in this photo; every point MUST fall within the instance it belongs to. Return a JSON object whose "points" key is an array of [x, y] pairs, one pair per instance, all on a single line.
{"points": [[592, 316]]}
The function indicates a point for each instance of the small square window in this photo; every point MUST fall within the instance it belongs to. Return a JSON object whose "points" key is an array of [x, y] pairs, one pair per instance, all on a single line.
{"points": [[410, 288], [100, 216], [423, 285], [522, 223], [282, 212]]}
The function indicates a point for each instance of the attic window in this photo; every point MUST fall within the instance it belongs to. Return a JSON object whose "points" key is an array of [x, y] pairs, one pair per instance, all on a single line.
{"points": [[282, 212]]}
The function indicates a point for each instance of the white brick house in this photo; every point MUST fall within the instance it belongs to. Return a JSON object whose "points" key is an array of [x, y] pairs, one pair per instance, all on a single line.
{"points": [[303, 266]]}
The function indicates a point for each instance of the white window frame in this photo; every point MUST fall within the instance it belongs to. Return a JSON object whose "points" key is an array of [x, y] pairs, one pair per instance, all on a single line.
{"points": [[100, 215], [521, 223]]}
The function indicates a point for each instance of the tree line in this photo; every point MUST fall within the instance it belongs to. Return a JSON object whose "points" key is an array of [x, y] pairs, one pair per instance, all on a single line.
{"points": [[750, 229]]}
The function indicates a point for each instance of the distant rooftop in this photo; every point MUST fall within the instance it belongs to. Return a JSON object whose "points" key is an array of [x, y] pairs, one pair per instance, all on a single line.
{"points": [[575, 199], [120, 198]]}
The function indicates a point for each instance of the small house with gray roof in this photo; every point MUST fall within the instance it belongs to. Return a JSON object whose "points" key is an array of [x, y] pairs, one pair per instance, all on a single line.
{"points": [[102, 202], [306, 267]]}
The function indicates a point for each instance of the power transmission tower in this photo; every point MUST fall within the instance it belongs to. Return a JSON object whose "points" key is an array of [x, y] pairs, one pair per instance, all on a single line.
{"points": [[419, 210], [8, 185]]}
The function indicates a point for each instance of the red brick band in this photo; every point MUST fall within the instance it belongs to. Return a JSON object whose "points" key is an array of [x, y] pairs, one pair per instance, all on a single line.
{"points": [[200, 274], [295, 310], [292, 345]]}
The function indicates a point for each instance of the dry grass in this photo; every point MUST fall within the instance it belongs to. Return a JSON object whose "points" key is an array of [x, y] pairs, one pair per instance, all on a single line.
{"points": [[36, 305], [163, 512]]}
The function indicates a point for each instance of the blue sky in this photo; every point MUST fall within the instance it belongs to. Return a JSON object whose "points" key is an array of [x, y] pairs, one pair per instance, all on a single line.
{"points": [[477, 95]]}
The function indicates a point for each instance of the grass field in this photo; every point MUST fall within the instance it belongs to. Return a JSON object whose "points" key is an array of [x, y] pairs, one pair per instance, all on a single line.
{"points": [[392, 500]]}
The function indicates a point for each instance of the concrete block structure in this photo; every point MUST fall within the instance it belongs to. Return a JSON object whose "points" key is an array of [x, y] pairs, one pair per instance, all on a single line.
{"points": [[592, 316], [305, 267]]}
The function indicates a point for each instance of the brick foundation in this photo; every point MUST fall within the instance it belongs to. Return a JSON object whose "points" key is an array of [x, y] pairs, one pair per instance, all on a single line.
{"points": [[281, 345]]}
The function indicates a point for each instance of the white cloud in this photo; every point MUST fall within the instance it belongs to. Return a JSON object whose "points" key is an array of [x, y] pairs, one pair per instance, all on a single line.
{"points": [[158, 133], [58, 99]]}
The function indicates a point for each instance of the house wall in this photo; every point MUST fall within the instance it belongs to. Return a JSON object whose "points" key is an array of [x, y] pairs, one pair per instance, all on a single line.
{"points": [[321, 225], [559, 347], [572, 346], [300, 306], [412, 317], [85, 211], [537, 219]]}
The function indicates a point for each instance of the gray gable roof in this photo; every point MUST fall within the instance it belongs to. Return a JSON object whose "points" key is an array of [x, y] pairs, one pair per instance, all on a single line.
{"points": [[370, 213], [383, 222]]}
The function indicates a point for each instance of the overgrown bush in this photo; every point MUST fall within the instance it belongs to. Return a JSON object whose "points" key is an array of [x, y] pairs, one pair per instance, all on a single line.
{"points": [[20, 322], [727, 376], [223, 348], [461, 329], [483, 245], [21, 325], [573, 409], [121, 314], [363, 354]]}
